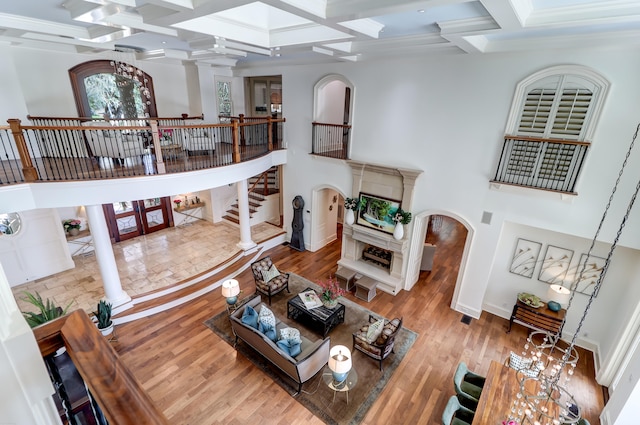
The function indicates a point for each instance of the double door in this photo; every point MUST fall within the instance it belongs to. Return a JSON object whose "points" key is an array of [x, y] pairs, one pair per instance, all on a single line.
{"points": [[129, 219]]}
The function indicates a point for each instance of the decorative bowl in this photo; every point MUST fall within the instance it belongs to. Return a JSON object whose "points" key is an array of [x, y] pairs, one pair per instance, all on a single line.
{"points": [[554, 306], [530, 300]]}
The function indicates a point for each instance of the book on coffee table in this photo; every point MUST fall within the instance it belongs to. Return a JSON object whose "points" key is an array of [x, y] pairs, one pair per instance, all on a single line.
{"points": [[310, 299]]}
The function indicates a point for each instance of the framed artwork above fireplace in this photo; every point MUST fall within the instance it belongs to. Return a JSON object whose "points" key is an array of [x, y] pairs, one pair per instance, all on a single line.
{"points": [[376, 212]]}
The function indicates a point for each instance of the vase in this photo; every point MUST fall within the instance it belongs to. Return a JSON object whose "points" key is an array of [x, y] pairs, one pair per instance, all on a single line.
{"points": [[73, 231], [349, 217], [330, 303], [398, 232]]}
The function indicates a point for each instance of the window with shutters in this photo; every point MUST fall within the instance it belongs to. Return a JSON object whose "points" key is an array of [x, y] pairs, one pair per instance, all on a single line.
{"points": [[552, 118]]}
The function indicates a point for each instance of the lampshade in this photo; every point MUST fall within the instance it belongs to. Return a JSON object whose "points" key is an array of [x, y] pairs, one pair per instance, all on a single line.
{"points": [[559, 294], [340, 360], [230, 288]]}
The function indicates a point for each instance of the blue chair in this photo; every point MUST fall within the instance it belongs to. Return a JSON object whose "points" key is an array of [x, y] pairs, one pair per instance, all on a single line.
{"points": [[468, 384], [456, 414]]}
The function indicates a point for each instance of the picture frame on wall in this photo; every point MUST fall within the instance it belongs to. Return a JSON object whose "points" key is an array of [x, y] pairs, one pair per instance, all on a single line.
{"points": [[555, 265], [376, 212], [586, 282], [525, 257]]}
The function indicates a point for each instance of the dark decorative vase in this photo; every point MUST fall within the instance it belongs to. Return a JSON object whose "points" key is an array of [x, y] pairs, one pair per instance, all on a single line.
{"points": [[554, 306]]}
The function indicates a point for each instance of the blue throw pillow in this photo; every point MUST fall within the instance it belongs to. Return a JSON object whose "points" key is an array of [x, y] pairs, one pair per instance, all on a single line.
{"points": [[286, 345], [269, 331], [250, 317]]}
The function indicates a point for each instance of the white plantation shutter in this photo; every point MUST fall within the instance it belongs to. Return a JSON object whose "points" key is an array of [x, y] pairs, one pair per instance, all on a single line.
{"points": [[559, 103]]}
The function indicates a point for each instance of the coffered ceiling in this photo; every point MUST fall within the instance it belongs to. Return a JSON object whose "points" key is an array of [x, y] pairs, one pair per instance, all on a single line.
{"points": [[242, 33]]}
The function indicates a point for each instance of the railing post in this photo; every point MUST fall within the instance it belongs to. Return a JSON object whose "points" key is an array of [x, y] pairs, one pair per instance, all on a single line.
{"points": [[242, 139], [270, 132], [157, 148], [28, 170], [236, 141]]}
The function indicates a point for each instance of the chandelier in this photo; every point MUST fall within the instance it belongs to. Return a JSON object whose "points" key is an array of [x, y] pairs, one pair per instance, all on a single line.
{"points": [[543, 398], [130, 77]]}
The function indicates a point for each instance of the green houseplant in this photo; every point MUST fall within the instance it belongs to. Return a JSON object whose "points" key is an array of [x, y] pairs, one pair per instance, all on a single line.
{"points": [[47, 310], [103, 317]]}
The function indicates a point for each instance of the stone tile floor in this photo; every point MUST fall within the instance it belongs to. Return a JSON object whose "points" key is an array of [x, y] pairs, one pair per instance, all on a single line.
{"points": [[145, 263]]}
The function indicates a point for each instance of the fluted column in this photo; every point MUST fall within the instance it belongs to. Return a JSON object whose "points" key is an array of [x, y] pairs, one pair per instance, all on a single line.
{"points": [[113, 291], [243, 215]]}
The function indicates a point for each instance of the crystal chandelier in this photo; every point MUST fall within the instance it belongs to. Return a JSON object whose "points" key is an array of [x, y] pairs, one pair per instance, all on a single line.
{"points": [[543, 398], [130, 77]]}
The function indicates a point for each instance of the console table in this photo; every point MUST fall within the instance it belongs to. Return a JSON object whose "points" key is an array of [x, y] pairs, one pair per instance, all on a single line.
{"points": [[541, 318]]}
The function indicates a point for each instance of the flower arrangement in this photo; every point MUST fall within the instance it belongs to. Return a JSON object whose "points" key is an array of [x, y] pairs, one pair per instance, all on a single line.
{"points": [[350, 203], [402, 217], [177, 202], [510, 422], [71, 223], [331, 290]]}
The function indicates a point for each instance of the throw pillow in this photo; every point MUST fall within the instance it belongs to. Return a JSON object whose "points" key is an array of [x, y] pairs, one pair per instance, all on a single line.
{"points": [[291, 334], [292, 349], [250, 317], [267, 323], [375, 329], [267, 275], [268, 332], [523, 365]]}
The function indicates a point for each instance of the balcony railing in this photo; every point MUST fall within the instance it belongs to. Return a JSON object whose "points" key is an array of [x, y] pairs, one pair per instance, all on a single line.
{"points": [[331, 140], [62, 149], [547, 164]]}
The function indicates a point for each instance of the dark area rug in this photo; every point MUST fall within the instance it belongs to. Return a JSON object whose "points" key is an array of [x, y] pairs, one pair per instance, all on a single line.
{"points": [[316, 395]]}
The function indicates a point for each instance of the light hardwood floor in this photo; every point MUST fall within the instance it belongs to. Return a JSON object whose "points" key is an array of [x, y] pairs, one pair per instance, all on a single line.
{"points": [[198, 379]]}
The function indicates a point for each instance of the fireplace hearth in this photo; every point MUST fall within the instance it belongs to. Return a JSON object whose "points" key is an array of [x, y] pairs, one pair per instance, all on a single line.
{"points": [[378, 256]]}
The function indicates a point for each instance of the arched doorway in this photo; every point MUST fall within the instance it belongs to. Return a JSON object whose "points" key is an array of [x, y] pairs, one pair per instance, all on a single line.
{"points": [[327, 209], [454, 234]]}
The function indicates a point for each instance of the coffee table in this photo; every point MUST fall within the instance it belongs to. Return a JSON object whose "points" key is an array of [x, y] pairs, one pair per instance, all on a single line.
{"points": [[320, 319]]}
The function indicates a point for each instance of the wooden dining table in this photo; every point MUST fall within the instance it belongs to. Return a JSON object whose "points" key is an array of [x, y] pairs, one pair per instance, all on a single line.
{"points": [[499, 392]]}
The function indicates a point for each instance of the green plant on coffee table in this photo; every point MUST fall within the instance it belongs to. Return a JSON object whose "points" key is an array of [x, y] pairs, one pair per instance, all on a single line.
{"points": [[48, 310], [103, 315]]}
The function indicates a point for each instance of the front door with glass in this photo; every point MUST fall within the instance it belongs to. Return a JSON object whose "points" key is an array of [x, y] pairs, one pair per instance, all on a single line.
{"points": [[128, 219]]}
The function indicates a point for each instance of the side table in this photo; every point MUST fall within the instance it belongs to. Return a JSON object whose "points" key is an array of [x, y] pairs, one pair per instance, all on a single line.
{"points": [[351, 381], [541, 319]]}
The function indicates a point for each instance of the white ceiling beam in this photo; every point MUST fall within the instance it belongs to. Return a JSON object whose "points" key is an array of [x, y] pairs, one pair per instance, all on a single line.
{"points": [[368, 27], [509, 14], [42, 26], [469, 34]]}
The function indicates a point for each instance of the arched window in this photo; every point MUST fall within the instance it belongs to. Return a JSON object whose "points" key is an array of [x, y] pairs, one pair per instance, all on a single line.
{"points": [[112, 89], [552, 119]]}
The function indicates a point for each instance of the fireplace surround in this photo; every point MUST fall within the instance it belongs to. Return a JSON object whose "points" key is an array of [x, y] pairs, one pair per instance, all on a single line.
{"points": [[391, 183]]}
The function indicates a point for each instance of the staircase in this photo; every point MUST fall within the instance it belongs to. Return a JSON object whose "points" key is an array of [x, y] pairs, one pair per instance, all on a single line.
{"points": [[260, 186]]}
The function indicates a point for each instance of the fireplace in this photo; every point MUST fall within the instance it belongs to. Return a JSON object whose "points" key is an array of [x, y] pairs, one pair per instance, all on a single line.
{"points": [[372, 252], [378, 256]]}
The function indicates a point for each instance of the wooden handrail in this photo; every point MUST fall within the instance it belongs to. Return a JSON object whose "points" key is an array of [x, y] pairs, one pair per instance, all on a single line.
{"points": [[182, 117], [543, 140], [331, 125], [120, 396]]}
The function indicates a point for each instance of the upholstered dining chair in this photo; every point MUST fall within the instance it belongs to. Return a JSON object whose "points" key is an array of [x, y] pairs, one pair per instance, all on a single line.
{"points": [[467, 383], [377, 337], [269, 280], [456, 414]]}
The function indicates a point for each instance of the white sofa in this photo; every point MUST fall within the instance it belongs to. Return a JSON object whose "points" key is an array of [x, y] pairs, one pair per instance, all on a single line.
{"points": [[112, 143]]}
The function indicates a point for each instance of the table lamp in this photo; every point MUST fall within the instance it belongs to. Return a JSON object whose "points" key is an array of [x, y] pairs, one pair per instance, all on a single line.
{"points": [[340, 365], [558, 297], [230, 290]]}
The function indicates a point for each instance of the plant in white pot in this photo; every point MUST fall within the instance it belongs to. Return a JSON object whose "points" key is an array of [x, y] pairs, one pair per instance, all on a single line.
{"points": [[401, 218], [103, 316], [350, 205]]}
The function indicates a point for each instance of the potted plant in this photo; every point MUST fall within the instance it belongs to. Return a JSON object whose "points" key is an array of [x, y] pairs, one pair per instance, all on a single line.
{"points": [[103, 318], [350, 204], [71, 226], [47, 310], [331, 291], [401, 218]]}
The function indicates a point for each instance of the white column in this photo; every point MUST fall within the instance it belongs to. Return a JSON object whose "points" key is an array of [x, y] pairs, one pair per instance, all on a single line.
{"points": [[243, 215], [113, 291]]}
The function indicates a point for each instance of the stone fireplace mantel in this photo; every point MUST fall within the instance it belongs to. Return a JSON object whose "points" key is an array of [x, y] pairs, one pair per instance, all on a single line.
{"points": [[386, 182]]}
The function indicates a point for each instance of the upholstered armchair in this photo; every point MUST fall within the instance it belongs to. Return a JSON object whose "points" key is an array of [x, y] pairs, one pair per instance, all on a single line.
{"points": [[376, 338], [269, 281]]}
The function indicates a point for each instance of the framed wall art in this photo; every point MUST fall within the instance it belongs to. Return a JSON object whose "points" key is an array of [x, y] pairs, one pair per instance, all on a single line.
{"points": [[586, 282], [525, 257], [376, 212], [555, 265]]}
